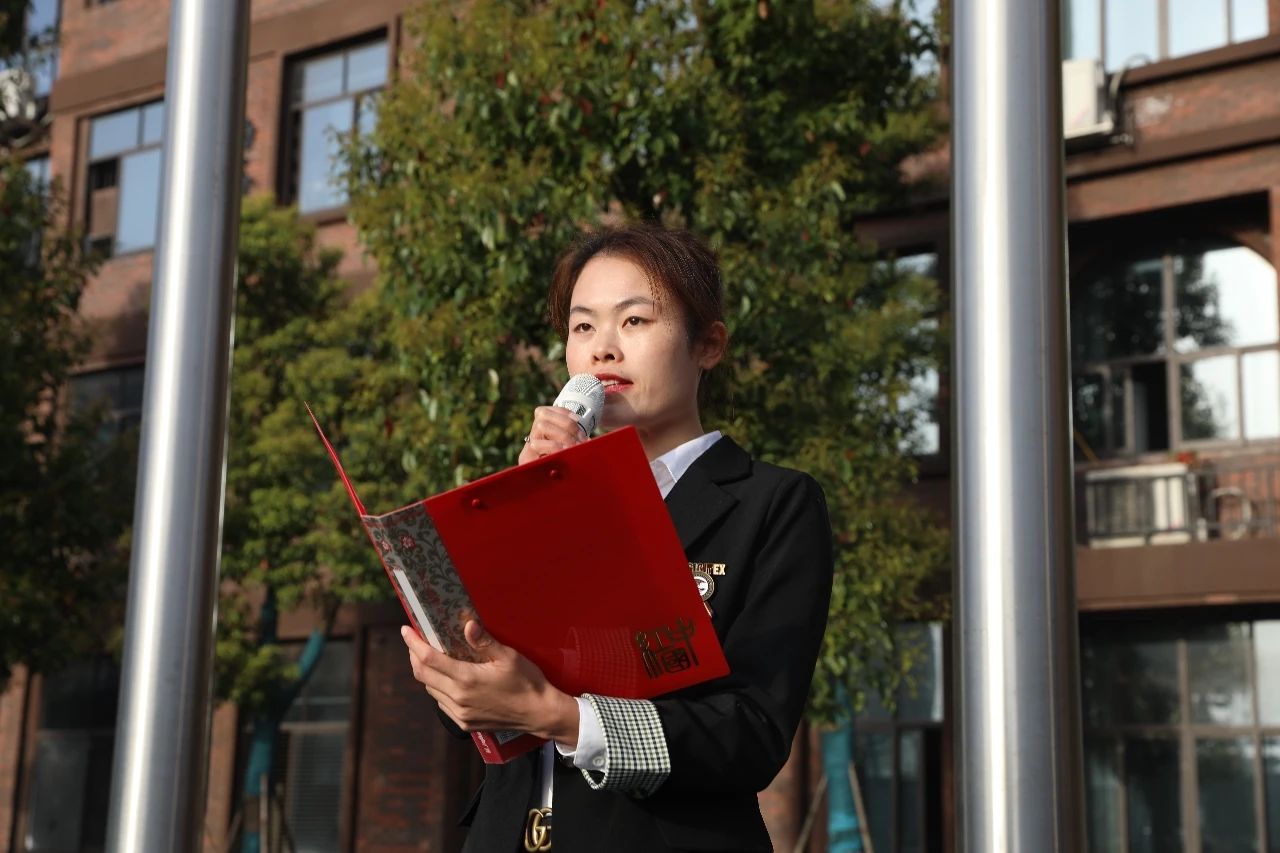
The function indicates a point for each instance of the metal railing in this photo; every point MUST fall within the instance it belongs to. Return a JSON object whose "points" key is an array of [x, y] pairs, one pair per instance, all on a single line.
{"points": [[1175, 503]]}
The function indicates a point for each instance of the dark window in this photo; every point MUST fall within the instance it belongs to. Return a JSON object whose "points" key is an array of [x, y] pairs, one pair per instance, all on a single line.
{"points": [[71, 774], [1133, 32], [898, 756], [1176, 349], [1182, 736], [330, 97], [118, 391], [124, 179], [310, 753]]}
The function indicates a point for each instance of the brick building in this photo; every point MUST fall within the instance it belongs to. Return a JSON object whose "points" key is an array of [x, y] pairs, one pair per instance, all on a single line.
{"points": [[1173, 200]]}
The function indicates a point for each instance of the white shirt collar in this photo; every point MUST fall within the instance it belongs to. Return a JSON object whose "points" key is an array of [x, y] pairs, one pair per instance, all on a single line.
{"points": [[676, 461]]}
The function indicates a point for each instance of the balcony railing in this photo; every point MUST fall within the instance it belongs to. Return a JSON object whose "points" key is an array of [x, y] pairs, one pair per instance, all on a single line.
{"points": [[1172, 503]]}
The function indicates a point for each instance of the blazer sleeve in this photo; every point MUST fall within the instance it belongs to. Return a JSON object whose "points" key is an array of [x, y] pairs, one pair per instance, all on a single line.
{"points": [[735, 733]]}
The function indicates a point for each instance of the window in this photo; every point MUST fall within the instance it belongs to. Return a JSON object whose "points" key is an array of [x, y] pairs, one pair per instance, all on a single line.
{"points": [[38, 169], [1176, 349], [124, 179], [1124, 32], [70, 785], [329, 96], [310, 754], [924, 435], [898, 757], [1182, 737], [118, 391]]}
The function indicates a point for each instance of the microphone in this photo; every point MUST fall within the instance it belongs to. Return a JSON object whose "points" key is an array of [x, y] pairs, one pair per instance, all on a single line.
{"points": [[583, 395]]}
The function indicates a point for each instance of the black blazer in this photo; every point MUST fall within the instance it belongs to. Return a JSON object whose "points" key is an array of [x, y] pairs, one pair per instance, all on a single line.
{"points": [[727, 738]]}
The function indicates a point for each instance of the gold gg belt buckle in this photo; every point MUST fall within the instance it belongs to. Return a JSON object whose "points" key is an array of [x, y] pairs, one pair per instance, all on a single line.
{"points": [[537, 830]]}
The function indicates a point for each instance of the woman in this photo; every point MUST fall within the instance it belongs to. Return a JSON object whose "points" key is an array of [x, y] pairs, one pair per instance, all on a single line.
{"points": [[641, 307]]}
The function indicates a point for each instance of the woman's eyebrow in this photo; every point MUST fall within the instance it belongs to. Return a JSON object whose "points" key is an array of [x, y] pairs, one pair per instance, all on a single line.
{"points": [[621, 306]]}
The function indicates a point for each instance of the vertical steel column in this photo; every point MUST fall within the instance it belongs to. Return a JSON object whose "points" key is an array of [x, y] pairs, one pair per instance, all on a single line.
{"points": [[161, 755], [1018, 768]]}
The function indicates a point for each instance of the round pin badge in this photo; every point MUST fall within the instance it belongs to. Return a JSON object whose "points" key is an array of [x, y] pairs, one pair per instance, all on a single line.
{"points": [[706, 584]]}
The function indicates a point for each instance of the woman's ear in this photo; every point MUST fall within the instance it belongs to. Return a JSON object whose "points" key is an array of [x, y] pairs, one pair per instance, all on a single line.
{"points": [[713, 345]]}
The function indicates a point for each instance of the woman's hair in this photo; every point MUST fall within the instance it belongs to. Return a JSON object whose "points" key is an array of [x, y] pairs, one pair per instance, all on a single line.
{"points": [[681, 269]]}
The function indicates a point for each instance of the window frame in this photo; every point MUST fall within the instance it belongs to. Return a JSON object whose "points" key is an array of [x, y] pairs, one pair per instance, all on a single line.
{"points": [[289, 177], [1173, 360], [1187, 734], [90, 162], [1163, 18]]}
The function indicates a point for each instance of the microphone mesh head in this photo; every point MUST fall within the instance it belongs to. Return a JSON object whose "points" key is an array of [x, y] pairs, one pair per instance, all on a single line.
{"points": [[583, 395]]}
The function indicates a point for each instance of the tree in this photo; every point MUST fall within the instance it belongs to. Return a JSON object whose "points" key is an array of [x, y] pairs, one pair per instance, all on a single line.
{"points": [[768, 129], [290, 538], [64, 478]]}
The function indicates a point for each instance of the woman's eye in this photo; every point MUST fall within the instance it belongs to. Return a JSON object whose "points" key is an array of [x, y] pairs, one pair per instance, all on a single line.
{"points": [[582, 327], [633, 321]]}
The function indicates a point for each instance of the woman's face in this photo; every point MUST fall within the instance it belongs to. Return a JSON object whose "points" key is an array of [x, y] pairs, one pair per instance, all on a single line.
{"points": [[639, 348]]}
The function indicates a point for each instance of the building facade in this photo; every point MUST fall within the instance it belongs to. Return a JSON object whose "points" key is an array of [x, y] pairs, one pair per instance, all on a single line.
{"points": [[1173, 198]]}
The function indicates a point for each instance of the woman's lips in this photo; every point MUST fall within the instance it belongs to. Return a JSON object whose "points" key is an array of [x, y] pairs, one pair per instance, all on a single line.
{"points": [[616, 387]]}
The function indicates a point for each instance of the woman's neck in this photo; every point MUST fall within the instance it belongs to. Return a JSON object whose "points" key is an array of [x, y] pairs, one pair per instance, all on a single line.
{"points": [[659, 439]]}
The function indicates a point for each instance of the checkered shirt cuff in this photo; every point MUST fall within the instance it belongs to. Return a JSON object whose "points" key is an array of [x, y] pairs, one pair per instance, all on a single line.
{"points": [[636, 760]]}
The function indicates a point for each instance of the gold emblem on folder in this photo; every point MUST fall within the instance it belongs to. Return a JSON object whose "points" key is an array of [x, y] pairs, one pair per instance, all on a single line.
{"points": [[704, 575]]}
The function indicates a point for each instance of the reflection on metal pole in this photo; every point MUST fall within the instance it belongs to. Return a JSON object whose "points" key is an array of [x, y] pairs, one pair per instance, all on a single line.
{"points": [[1018, 764], [158, 777]]}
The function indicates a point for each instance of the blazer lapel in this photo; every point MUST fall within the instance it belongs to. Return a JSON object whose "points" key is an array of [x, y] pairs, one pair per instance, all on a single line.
{"points": [[697, 501]]}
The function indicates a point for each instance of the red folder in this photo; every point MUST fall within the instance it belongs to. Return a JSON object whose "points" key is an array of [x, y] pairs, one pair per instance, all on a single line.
{"points": [[571, 559]]}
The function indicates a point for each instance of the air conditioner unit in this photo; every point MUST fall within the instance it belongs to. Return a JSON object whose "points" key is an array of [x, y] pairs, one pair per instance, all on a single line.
{"points": [[17, 96], [1086, 111], [1142, 505]]}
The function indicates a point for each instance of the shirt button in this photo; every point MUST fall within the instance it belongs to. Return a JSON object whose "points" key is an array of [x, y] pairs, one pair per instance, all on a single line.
{"points": [[598, 761]]}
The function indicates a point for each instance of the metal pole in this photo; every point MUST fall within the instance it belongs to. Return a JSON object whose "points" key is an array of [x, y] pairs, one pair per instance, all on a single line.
{"points": [[1019, 761], [161, 756]]}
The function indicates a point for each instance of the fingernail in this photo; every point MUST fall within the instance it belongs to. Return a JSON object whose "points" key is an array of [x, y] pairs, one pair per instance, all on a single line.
{"points": [[404, 632]]}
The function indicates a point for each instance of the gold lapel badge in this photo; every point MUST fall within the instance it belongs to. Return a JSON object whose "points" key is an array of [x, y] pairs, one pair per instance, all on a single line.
{"points": [[537, 831]]}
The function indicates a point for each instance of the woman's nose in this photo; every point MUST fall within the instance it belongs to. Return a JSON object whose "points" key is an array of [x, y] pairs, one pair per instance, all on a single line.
{"points": [[606, 349]]}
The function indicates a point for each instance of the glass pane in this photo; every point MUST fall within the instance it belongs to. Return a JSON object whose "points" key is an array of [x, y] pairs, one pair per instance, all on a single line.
{"points": [[1225, 771], [57, 792], [38, 169], [319, 184], [1266, 657], [1196, 25], [1131, 33], [153, 123], [1102, 795], [83, 696], [874, 764], [924, 437], [1098, 427], [1261, 375], [910, 801], [1150, 407], [139, 201], [113, 134], [1210, 403], [319, 79], [367, 114], [1218, 674], [367, 67], [314, 790], [327, 694], [1117, 312], [1248, 19], [1083, 30], [921, 699], [1129, 679], [1225, 297], [1271, 768], [1152, 788]]}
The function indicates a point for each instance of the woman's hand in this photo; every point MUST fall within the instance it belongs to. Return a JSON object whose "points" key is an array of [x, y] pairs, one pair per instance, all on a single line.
{"points": [[507, 691], [553, 429]]}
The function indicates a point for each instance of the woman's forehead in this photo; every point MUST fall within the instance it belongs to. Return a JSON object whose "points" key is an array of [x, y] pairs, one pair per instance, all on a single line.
{"points": [[609, 282]]}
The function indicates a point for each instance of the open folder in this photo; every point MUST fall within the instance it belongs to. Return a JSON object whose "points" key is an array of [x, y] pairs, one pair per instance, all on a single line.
{"points": [[571, 559]]}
